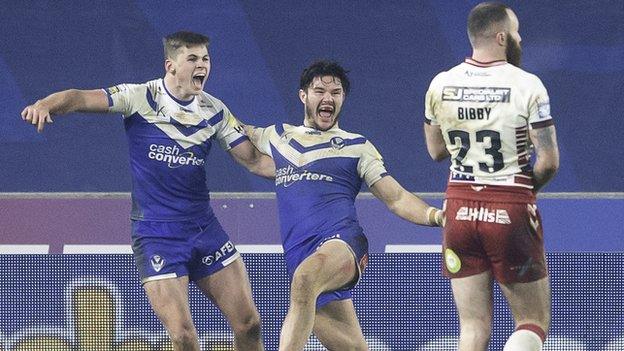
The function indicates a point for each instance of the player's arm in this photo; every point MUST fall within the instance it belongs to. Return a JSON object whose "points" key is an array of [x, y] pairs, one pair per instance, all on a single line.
{"points": [[547, 155], [253, 133], [405, 204], [435, 142], [63, 102], [251, 158]]}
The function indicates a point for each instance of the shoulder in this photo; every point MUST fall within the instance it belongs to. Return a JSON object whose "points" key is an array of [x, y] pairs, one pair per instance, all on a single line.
{"points": [[442, 77], [281, 128], [129, 88], [439, 79], [354, 140], [152, 85], [211, 102], [526, 79], [351, 136]]}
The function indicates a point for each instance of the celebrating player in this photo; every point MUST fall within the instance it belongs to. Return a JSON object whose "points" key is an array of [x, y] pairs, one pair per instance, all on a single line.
{"points": [[170, 124], [319, 171]]}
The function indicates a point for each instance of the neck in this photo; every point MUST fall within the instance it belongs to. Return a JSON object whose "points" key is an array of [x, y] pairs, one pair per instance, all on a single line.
{"points": [[488, 55], [308, 124], [175, 89]]}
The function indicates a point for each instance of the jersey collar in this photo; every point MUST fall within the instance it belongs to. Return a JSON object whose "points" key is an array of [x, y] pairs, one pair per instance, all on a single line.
{"points": [[471, 61], [180, 102]]}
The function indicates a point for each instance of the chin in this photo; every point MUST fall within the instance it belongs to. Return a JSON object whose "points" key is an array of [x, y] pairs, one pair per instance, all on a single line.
{"points": [[325, 127]]}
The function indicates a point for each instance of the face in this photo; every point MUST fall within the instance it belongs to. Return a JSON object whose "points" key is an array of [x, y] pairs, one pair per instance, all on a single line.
{"points": [[190, 69], [513, 50], [322, 100]]}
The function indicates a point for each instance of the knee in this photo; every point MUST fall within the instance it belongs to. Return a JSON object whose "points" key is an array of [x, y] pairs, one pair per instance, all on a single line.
{"points": [[303, 287], [249, 327], [183, 334]]}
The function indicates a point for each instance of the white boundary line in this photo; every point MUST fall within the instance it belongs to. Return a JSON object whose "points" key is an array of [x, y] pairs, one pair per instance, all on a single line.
{"points": [[392, 248], [260, 248], [24, 249], [268, 195], [127, 249], [97, 249]]}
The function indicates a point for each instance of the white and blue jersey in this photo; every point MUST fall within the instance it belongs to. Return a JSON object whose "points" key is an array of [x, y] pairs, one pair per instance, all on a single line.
{"points": [[318, 175], [174, 231], [169, 141]]}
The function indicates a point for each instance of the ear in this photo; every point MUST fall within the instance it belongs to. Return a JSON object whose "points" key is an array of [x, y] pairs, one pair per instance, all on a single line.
{"points": [[302, 95], [169, 67], [501, 38]]}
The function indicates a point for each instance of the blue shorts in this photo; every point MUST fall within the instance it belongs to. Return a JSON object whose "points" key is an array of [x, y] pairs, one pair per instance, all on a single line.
{"points": [[197, 248], [358, 244]]}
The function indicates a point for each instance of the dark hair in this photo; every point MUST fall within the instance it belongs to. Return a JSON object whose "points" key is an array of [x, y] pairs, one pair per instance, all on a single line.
{"points": [[173, 42], [324, 68], [484, 16]]}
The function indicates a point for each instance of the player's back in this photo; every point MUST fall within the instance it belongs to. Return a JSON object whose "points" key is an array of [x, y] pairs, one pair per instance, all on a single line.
{"points": [[484, 112]]}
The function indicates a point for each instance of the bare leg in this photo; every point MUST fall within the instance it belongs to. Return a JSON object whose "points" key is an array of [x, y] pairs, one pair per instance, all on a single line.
{"points": [[169, 300], [530, 306], [338, 328], [330, 267], [230, 290], [473, 298]]}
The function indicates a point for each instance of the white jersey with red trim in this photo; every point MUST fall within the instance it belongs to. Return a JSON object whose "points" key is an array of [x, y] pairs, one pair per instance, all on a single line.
{"points": [[485, 112]]}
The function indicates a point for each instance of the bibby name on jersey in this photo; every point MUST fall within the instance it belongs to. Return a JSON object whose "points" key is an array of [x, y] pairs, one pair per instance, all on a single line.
{"points": [[466, 113]]}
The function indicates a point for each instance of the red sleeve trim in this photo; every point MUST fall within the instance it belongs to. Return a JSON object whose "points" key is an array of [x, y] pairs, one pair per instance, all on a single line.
{"points": [[543, 124]]}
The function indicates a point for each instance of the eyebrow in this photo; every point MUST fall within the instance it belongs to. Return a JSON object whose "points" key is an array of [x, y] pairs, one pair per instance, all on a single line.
{"points": [[195, 56], [325, 88]]}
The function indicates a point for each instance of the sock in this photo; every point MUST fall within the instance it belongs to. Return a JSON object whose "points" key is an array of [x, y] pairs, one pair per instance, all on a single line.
{"points": [[527, 337]]}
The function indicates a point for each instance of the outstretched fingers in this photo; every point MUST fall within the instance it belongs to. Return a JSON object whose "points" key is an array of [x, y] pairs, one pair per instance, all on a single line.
{"points": [[36, 116]]}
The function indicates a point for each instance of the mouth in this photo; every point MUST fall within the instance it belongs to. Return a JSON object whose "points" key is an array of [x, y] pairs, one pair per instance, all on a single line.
{"points": [[325, 111], [198, 80]]}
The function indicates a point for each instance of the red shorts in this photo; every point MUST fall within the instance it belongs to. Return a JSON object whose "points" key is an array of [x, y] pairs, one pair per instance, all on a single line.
{"points": [[483, 233]]}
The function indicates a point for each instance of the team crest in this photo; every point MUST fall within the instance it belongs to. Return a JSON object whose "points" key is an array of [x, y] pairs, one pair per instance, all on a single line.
{"points": [[337, 143], [157, 262]]}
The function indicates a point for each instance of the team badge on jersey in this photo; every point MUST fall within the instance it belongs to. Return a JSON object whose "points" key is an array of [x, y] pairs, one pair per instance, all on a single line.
{"points": [[337, 143], [157, 262]]}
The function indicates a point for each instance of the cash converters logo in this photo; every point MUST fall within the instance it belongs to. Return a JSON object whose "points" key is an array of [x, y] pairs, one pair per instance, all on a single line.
{"points": [[289, 175], [172, 157]]}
